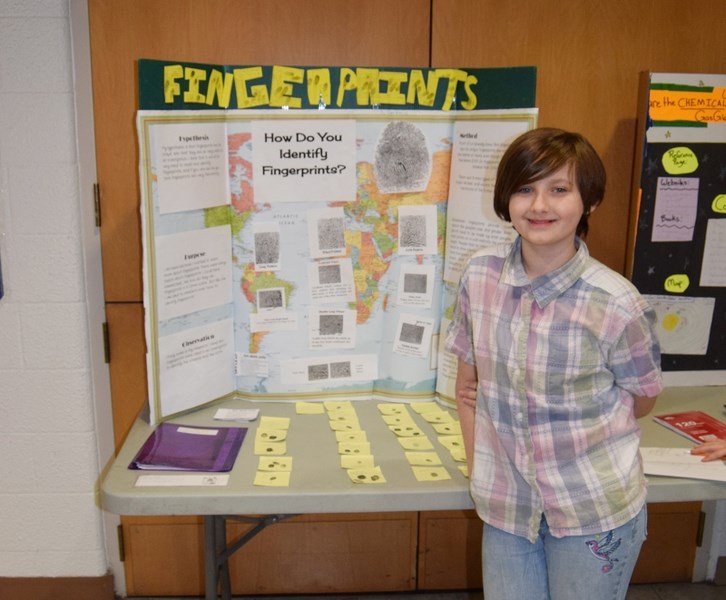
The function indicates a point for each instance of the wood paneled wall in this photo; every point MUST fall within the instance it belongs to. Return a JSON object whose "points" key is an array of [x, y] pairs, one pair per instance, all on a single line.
{"points": [[243, 32], [588, 56]]}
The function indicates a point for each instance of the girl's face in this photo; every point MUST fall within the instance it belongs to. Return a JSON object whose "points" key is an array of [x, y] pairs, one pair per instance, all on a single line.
{"points": [[546, 212]]}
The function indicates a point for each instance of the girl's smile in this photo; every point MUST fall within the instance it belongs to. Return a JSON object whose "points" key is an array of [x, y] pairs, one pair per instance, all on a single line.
{"points": [[546, 214]]}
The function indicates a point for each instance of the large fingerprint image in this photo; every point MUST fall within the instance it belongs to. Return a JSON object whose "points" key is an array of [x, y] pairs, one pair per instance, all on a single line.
{"points": [[403, 160]]}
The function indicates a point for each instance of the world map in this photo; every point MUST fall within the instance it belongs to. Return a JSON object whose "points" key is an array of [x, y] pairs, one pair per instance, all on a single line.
{"points": [[372, 245]]}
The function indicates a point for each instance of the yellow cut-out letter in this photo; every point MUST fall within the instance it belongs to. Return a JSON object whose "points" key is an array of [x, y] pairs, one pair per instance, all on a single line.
{"points": [[193, 77], [348, 81], [171, 87], [423, 92], [367, 92], [220, 85], [394, 80], [470, 102], [319, 88], [281, 86], [454, 76], [258, 93]]}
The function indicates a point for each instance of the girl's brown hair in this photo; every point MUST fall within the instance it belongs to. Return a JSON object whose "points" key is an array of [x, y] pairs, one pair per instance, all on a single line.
{"points": [[540, 152]]}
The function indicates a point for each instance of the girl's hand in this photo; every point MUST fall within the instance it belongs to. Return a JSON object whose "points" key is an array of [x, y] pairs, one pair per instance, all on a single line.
{"points": [[712, 450], [466, 393]]}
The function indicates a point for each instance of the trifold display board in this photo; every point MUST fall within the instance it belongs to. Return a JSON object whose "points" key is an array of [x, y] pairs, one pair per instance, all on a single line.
{"points": [[678, 240], [304, 228]]}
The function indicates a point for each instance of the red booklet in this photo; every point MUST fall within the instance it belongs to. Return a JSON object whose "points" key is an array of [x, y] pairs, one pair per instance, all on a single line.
{"points": [[697, 426]]}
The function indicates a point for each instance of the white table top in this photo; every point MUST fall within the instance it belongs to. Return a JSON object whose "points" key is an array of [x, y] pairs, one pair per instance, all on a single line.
{"points": [[319, 485]]}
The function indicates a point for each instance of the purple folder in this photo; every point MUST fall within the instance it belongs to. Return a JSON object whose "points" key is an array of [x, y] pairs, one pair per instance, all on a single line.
{"points": [[174, 447]]}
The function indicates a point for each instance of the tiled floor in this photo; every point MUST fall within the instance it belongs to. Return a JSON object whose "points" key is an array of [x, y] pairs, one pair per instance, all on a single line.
{"points": [[658, 591]]}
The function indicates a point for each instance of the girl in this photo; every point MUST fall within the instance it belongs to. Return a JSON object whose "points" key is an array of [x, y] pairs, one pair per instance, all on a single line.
{"points": [[557, 360]]}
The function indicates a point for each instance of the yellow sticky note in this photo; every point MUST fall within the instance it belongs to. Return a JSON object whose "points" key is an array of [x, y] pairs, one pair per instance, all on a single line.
{"points": [[431, 473], [267, 422], [272, 478], [357, 461], [374, 475], [411, 430], [270, 448], [458, 454], [464, 470], [345, 425], [271, 435], [424, 407], [423, 458], [451, 441], [415, 443], [342, 414], [333, 405], [309, 408], [452, 428], [437, 416], [281, 463], [351, 436], [354, 448], [392, 408], [403, 419]]}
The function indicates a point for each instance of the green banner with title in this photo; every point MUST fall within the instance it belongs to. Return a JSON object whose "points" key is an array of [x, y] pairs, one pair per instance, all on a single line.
{"points": [[169, 85]]}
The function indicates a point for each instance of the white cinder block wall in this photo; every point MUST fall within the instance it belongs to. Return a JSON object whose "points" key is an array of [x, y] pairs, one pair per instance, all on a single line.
{"points": [[49, 455]]}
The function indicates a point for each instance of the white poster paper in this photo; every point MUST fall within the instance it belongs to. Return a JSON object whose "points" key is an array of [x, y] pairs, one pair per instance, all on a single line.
{"points": [[195, 366], [326, 232], [676, 206], [713, 267], [413, 336], [193, 271], [416, 285], [471, 221], [355, 367], [417, 230], [255, 365], [304, 161], [684, 323], [332, 328], [331, 281], [191, 165], [267, 246]]}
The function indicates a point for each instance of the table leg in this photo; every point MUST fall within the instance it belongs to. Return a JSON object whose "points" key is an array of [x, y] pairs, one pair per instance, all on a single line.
{"points": [[217, 553], [221, 557], [210, 557]]}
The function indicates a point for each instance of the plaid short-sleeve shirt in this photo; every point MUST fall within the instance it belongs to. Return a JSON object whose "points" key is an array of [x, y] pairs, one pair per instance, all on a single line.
{"points": [[558, 362]]}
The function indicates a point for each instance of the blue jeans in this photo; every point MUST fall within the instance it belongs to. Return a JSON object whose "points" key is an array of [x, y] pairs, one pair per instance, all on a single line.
{"points": [[569, 568]]}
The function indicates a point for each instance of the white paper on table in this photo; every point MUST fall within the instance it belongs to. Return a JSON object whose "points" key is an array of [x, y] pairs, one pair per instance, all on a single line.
{"points": [[679, 462], [213, 480]]}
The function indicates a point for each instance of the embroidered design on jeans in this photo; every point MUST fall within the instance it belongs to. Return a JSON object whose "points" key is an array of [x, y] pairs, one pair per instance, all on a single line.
{"points": [[602, 550]]}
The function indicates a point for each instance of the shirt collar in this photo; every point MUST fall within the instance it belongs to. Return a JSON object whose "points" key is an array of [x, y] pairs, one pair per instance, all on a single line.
{"points": [[551, 285]]}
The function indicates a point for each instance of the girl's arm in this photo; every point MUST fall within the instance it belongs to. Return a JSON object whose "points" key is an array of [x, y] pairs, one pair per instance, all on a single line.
{"points": [[466, 380], [642, 405], [712, 450]]}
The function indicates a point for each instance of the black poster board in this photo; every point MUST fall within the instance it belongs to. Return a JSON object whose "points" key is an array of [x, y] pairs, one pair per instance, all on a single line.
{"points": [[678, 226]]}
